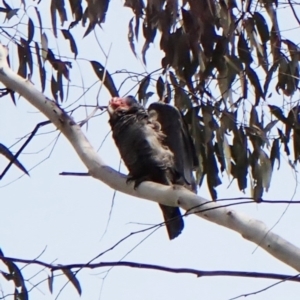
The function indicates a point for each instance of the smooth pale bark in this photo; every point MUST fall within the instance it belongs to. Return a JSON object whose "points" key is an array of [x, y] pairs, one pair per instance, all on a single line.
{"points": [[251, 229]]}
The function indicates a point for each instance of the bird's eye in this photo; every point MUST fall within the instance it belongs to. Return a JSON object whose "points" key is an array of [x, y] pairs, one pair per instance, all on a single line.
{"points": [[130, 100]]}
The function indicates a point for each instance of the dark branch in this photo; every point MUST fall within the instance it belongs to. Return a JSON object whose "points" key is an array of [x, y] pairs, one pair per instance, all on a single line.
{"points": [[74, 174], [198, 273], [23, 146]]}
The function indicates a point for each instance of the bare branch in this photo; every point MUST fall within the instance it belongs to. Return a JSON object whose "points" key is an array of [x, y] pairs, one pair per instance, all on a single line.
{"points": [[198, 273]]}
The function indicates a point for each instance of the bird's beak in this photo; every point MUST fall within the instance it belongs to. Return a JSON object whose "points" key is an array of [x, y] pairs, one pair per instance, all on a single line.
{"points": [[116, 102], [112, 105]]}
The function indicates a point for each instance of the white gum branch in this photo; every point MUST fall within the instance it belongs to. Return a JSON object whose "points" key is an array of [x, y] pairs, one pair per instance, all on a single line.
{"points": [[250, 229]]}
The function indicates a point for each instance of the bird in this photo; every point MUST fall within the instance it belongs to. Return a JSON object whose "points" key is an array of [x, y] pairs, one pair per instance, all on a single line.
{"points": [[155, 146]]}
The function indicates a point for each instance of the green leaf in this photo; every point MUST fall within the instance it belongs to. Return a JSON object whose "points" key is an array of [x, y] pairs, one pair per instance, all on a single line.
{"points": [[70, 275], [283, 74], [256, 84], [50, 282], [44, 41], [269, 78], [223, 84], [262, 27], [30, 31], [41, 67], [270, 125], [227, 153], [12, 13], [7, 153], [53, 16], [254, 117], [15, 273], [275, 41], [131, 37], [275, 153], [182, 100], [143, 88], [278, 113], [263, 58], [266, 169], [235, 63], [22, 71], [108, 81], [68, 36], [160, 87], [54, 88], [23, 295], [243, 50]]}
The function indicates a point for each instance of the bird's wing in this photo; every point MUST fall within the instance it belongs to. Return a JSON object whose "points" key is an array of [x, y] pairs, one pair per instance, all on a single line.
{"points": [[177, 139]]}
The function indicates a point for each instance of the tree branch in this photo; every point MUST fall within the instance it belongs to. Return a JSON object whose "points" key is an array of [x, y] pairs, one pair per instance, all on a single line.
{"points": [[251, 229], [198, 273]]}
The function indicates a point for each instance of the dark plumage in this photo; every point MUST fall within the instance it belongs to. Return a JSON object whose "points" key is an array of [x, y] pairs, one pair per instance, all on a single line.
{"points": [[178, 140], [148, 152]]}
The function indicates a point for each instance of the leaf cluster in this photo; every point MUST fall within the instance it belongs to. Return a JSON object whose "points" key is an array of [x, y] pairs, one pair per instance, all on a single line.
{"points": [[230, 43]]}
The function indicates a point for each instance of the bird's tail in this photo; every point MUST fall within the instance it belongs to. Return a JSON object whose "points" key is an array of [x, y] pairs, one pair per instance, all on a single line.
{"points": [[173, 220]]}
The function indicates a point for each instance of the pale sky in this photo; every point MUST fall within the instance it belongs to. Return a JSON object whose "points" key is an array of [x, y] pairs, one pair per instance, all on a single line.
{"points": [[67, 216]]}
